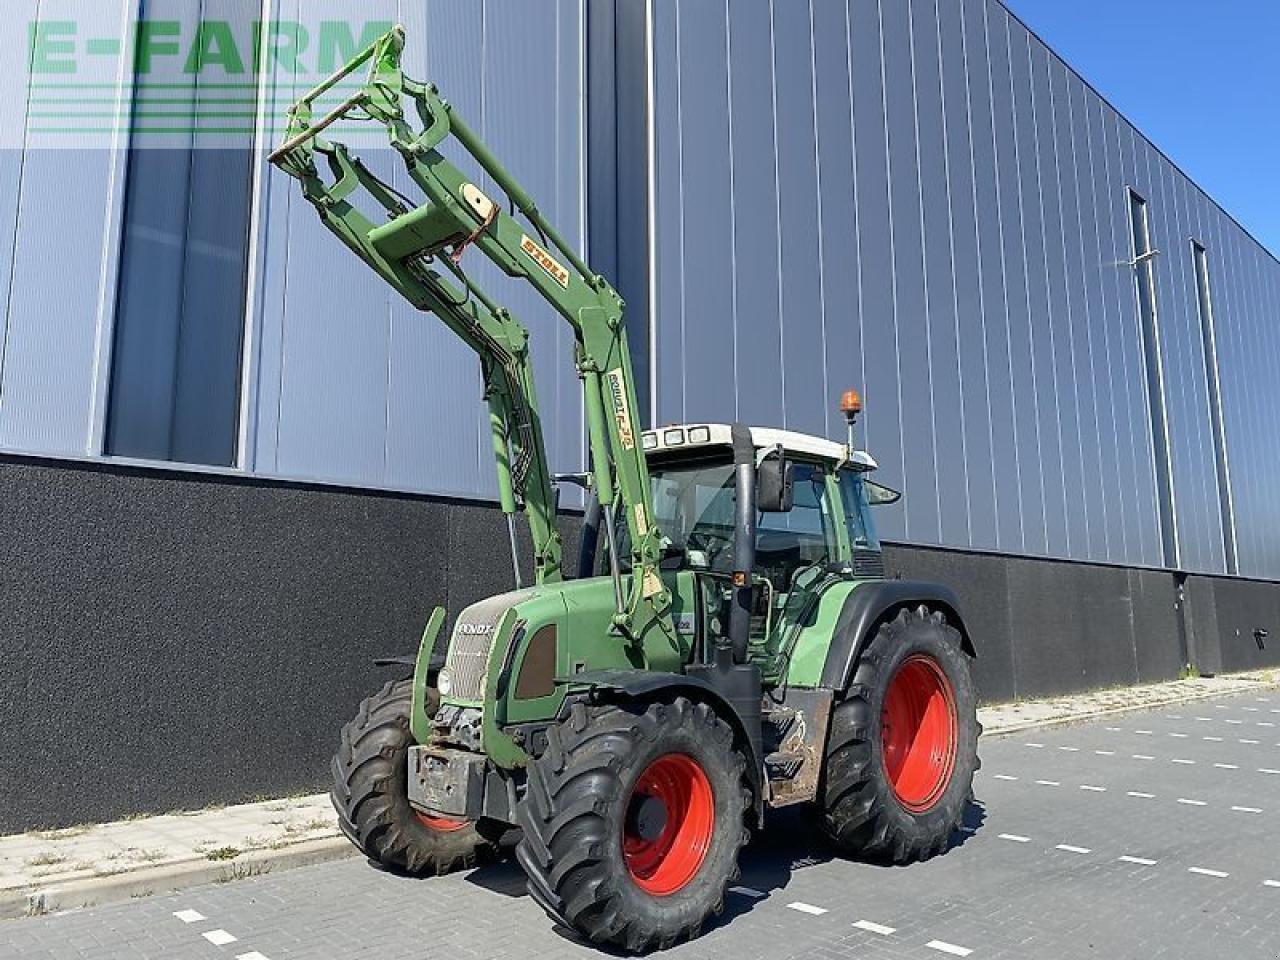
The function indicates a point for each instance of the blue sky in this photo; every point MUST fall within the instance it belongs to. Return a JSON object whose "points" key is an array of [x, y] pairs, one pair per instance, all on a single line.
{"points": [[1201, 78]]}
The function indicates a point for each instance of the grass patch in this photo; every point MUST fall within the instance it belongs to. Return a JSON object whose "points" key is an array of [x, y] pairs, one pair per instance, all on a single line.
{"points": [[223, 853], [48, 859]]}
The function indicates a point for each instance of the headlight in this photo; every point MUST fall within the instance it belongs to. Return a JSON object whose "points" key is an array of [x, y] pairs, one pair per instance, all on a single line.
{"points": [[444, 682]]}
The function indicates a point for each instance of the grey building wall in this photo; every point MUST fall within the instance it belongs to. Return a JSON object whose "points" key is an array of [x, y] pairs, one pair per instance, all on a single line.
{"points": [[172, 298], [918, 198]]}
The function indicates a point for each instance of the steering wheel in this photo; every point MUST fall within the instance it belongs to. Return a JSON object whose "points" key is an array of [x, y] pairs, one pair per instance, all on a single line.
{"points": [[711, 546]]}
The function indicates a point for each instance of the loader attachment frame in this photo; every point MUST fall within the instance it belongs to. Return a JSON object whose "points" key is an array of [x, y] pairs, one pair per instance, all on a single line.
{"points": [[419, 251]]}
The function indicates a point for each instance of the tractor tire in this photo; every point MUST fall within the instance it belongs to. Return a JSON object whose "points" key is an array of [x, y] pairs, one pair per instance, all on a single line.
{"points": [[370, 794], [632, 821], [903, 744]]}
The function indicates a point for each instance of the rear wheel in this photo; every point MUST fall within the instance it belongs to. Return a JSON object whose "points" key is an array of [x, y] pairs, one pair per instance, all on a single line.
{"points": [[902, 749], [370, 794], [632, 822]]}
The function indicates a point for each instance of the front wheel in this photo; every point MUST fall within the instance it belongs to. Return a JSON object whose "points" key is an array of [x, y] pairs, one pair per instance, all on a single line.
{"points": [[632, 821], [370, 794], [903, 744]]}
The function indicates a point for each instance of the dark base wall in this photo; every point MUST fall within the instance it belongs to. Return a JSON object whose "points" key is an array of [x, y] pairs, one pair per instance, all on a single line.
{"points": [[174, 640]]}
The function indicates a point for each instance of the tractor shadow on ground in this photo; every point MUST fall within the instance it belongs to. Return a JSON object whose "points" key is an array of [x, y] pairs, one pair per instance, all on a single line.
{"points": [[791, 841]]}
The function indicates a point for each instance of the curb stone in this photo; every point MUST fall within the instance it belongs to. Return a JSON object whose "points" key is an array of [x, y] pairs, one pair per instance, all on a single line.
{"points": [[169, 878]]}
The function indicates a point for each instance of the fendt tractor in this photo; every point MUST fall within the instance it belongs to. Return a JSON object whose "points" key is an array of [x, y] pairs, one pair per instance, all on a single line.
{"points": [[728, 645]]}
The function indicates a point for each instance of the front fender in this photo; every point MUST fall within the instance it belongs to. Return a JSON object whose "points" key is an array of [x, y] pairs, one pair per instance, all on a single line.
{"points": [[870, 603], [644, 685]]}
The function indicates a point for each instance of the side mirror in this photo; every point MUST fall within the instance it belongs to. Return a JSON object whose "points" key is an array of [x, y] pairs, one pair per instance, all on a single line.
{"points": [[878, 495], [775, 485]]}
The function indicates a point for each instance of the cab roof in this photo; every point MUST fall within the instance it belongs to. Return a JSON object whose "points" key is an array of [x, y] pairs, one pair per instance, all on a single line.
{"points": [[685, 436]]}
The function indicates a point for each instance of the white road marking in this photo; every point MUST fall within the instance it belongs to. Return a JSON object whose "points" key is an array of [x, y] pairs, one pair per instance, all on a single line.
{"points": [[1212, 739], [1275, 709], [1070, 849], [1105, 753], [751, 892], [1180, 736], [220, 938], [1221, 706], [189, 916], [1205, 719], [1004, 776], [1226, 766], [1070, 749], [1244, 741], [1015, 838], [1250, 709], [1038, 746], [1142, 756], [1247, 809], [879, 928], [1267, 770], [1271, 883], [807, 908], [1141, 861], [1144, 796], [1192, 803], [1173, 716], [1207, 873], [1184, 762], [1145, 733], [1265, 723], [943, 947], [1113, 729], [1085, 786], [1234, 723], [1049, 783], [253, 955]]}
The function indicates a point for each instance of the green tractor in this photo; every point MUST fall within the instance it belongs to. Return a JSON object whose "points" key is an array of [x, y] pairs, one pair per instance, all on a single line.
{"points": [[728, 645]]}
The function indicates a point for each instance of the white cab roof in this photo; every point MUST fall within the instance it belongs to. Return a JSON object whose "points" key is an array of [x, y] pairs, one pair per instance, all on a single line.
{"points": [[681, 436]]}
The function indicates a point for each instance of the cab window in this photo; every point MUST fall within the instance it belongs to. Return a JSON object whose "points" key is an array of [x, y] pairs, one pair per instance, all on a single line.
{"points": [[857, 512], [803, 536]]}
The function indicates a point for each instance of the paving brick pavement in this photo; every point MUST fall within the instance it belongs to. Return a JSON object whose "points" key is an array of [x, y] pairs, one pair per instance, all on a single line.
{"points": [[1049, 870]]}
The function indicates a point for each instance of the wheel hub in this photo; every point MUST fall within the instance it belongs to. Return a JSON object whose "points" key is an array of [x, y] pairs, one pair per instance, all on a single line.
{"points": [[668, 825], [919, 732]]}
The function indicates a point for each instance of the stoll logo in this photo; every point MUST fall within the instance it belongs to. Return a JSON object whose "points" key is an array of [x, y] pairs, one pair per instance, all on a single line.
{"points": [[194, 81]]}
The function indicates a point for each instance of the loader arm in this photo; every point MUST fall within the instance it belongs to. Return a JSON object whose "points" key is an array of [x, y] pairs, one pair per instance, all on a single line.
{"points": [[419, 252]]}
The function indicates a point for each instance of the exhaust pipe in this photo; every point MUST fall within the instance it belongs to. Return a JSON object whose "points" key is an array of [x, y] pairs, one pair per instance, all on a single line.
{"points": [[744, 541]]}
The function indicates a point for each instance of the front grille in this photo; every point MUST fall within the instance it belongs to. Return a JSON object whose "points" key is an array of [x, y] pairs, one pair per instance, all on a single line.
{"points": [[471, 643], [868, 564]]}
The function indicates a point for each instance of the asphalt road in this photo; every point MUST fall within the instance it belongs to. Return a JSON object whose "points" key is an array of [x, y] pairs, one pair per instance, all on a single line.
{"points": [[1145, 835]]}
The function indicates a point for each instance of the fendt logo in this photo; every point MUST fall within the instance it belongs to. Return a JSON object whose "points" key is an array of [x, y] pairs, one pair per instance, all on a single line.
{"points": [[475, 629]]}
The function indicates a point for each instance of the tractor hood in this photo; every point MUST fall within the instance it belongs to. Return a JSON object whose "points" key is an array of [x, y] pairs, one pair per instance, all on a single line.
{"points": [[508, 655]]}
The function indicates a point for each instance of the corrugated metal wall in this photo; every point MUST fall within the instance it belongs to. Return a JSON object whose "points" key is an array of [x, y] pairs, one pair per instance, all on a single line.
{"points": [[341, 381], [353, 385], [917, 197]]}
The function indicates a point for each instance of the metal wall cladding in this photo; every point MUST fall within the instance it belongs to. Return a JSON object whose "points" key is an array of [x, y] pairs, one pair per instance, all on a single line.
{"points": [[59, 212], [351, 383], [918, 198]]}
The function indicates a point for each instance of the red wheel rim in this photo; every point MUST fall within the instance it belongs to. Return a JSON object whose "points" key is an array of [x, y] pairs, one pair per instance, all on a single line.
{"points": [[439, 824], [669, 821], [918, 730]]}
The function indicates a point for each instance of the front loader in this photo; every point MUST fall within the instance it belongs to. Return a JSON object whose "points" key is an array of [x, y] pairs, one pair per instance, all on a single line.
{"points": [[728, 645]]}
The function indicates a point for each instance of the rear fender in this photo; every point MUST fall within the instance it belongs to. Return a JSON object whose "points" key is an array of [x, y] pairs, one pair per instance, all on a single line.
{"points": [[874, 602]]}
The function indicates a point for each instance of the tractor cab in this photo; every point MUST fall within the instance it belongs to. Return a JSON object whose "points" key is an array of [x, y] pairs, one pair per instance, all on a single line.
{"points": [[820, 531]]}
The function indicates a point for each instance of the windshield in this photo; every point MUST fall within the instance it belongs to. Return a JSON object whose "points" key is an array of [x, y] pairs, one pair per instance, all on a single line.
{"points": [[693, 502]]}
